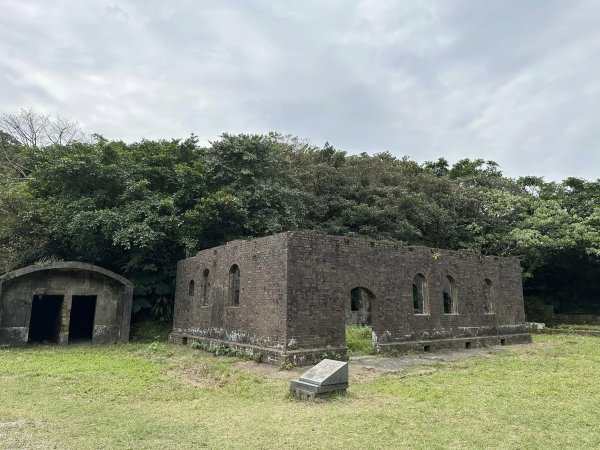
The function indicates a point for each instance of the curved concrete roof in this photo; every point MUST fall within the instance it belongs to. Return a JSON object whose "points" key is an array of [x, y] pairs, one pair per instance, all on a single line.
{"points": [[62, 265]]}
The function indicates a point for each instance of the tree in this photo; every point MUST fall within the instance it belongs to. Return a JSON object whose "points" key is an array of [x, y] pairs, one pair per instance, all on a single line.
{"points": [[253, 172], [139, 208], [11, 164], [33, 129]]}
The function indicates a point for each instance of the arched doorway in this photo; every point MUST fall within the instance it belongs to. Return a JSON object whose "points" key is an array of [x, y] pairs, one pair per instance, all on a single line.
{"points": [[358, 333], [358, 307]]}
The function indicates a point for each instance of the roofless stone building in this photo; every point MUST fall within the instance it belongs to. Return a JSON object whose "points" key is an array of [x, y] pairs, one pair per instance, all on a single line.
{"points": [[289, 297], [64, 302]]}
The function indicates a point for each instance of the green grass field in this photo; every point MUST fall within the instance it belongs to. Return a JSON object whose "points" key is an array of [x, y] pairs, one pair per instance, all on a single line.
{"points": [[358, 340], [154, 395]]}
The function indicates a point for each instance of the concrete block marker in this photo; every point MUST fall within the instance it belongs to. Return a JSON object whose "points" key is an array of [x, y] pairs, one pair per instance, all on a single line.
{"points": [[327, 377]]}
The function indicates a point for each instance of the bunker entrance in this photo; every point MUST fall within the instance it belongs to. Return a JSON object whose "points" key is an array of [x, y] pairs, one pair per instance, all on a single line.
{"points": [[81, 325], [44, 324]]}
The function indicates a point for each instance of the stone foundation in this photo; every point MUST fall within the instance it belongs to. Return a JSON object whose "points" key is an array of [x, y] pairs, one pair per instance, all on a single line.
{"points": [[265, 354], [453, 344]]}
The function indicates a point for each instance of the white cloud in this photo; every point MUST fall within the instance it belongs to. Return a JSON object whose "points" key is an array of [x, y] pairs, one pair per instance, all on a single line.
{"points": [[511, 81]]}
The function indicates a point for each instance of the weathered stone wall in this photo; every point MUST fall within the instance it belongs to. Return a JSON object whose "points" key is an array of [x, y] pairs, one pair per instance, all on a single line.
{"points": [[113, 300], [324, 269], [537, 311], [295, 289], [258, 322], [575, 319]]}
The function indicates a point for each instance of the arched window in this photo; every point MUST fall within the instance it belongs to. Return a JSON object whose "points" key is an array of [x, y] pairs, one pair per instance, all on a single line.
{"points": [[488, 296], [205, 287], [234, 285], [191, 288], [420, 294], [449, 295], [358, 309]]}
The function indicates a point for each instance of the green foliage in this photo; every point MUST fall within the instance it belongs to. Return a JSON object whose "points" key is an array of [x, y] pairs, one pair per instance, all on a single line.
{"points": [[149, 331], [139, 208], [359, 340], [285, 365]]}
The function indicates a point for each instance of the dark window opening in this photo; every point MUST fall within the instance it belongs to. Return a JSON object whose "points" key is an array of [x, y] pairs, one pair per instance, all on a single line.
{"points": [[184, 340], [503, 341], [427, 348], [488, 296], [449, 295], [467, 344], [419, 293], [355, 300], [191, 288], [234, 285], [205, 287], [44, 324], [358, 308], [417, 300], [447, 303], [81, 324]]}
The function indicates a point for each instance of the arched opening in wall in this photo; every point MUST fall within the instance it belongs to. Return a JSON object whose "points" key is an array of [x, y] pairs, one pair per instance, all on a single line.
{"points": [[44, 322], [420, 294], [234, 285], [488, 296], [449, 295], [191, 288], [205, 287], [358, 333], [358, 307]]}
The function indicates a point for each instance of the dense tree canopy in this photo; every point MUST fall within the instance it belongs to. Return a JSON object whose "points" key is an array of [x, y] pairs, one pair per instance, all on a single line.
{"points": [[139, 208]]}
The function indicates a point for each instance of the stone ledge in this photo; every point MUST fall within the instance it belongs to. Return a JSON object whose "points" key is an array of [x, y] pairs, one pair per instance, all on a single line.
{"points": [[454, 344]]}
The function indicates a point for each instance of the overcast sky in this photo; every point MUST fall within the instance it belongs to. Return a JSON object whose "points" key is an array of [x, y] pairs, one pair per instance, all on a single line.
{"points": [[516, 81]]}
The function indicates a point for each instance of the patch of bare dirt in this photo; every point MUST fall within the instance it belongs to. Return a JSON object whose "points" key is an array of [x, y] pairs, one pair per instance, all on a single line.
{"points": [[269, 371], [196, 376]]}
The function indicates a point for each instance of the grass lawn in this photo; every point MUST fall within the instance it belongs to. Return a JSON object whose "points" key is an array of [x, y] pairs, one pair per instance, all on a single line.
{"points": [[143, 395], [359, 340]]}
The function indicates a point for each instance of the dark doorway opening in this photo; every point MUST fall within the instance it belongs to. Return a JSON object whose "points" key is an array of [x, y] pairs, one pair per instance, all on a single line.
{"points": [[44, 324], [358, 307], [81, 325]]}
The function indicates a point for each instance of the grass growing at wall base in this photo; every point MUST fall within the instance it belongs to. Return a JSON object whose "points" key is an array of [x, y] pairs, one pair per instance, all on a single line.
{"points": [[150, 330], [359, 340], [156, 395]]}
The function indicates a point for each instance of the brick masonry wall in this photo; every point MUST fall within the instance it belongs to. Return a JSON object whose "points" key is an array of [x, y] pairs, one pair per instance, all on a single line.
{"points": [[259, 320], [324, 269], [295, 288]]}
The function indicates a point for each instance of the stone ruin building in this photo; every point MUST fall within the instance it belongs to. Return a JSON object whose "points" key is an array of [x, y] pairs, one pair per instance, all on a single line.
{"points": [[64, 302], [290, 296]]}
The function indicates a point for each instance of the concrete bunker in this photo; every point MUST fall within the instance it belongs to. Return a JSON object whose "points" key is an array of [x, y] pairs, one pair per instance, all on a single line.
{"points": [[44, 323], [64, 302], [289, 297]]}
